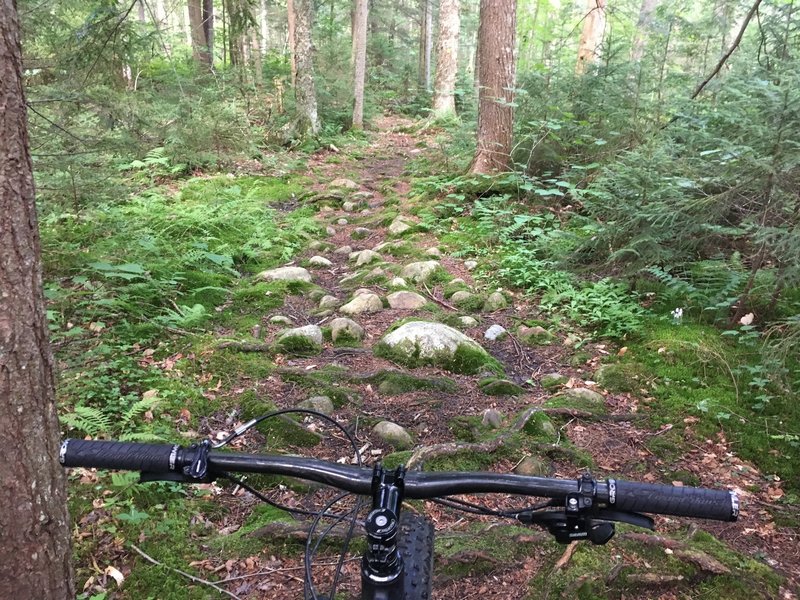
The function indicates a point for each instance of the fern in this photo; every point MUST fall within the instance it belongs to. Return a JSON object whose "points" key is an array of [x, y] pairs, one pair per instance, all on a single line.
{"points": [[92, 421]]}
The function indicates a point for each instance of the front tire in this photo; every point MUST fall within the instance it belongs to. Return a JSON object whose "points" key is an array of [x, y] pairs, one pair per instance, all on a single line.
{"points": [[415, 543]]}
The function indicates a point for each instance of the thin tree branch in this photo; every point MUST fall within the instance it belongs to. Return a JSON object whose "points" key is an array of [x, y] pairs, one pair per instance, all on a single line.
{"points": [[730, 51]]}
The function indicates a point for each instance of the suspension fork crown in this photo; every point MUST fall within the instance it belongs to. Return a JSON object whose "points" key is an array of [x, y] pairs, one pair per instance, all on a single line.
{"points": [[382, 566]]}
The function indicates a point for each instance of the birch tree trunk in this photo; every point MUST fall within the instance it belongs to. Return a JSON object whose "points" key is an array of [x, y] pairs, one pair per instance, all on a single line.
{"points": [[594, 25], [645, 18], [496, 59], [263, 22], [34, 524], [425, 44], [446, 59], [291, 40], [304, 92], [359, 61]]}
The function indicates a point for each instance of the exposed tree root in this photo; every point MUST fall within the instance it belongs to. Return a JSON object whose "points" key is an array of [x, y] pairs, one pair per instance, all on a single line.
{"points": [[703, 561]]}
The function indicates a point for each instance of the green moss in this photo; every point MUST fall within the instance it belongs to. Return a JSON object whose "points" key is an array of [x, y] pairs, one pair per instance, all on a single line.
{"points": [[395, 459], [282, 431], [540, 425], [231, 366], [394, 383], [621, 377], [297, 345], [466, 359], [493, 386]]}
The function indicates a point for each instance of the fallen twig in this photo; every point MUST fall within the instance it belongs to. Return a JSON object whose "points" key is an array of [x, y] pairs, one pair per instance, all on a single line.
{"points": [[565, 558]]}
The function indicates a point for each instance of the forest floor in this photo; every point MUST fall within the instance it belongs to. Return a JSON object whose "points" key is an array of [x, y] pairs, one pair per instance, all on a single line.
{"points": [[256, 552]]}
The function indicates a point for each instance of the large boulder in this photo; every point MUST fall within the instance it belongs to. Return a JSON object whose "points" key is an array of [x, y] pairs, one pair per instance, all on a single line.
{"points": [[286, 274], [406, 300], [363, 303], [420, 271], [419, 343]]}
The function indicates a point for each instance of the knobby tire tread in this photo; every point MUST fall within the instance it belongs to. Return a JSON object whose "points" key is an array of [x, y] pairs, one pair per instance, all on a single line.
{"points": [[415, 543]]}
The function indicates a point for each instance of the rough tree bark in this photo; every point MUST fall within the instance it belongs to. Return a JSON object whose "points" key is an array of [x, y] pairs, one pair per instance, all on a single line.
{"points": [[291, 39], [304, 92], [594, 24], [425, 44], [359, 61], [496, 43], [446, 59], [201, 22], [34, 524], [645, 18]]}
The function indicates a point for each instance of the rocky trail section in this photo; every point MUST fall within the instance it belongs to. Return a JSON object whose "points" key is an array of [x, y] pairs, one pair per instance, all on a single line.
{"points": [[382, 328]]}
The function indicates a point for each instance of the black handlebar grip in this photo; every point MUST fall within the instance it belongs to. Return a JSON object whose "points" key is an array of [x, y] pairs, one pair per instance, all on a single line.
{"points": [[700, 503], [127, 456]]}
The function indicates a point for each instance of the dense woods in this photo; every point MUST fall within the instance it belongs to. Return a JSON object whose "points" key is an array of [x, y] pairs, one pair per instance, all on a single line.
{"points": [[614, 183]]}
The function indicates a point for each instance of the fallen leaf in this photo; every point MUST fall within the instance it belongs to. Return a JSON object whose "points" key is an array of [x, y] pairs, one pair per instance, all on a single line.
{"points": [[622, 351], [114, 572]]}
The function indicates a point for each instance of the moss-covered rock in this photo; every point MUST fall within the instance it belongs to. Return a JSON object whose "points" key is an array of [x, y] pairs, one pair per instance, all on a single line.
{"points": [[394, 383], [579, 399], [534, 336], [301, 341], [551, 381], [493, 386], [621, 377]]}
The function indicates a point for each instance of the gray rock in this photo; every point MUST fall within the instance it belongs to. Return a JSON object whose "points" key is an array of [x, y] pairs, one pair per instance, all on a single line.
{"points": [[406, 300], [319, 261], [317, 245], [398, 282], [364, 257], [321, 404], [360, 291], [342, 222], [286, 274], [393, 434], [359, 233], [328, 302], [344, 250], [424, 343], [281, 320], [434, 252], [420, 271], [456, 282], [468, 321], [584, 397], [470, 265], [399, 226], [495, 301], [351, 277], [363, 303], [349, 206], [343, 183], [533, 466], [492, 418], [343, 328], [330, 231], [362, 196], [326, 209], [494, 386], [495, 332], [553, 380], [534, 335], [310, 332], [461, 297]]}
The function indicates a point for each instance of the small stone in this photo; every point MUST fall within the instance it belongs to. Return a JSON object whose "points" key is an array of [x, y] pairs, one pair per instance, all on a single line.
{"points": [[321, 404], [286, 274], [348, 206], [301, 341], [399, 226], [551, 381], [364, 257], [344, 250], [536, 335], [435, 252], [319, 261], [494, 386], [468, 321], [461, 297], [398, 282], [582, 398], [495, 301], [492, 418], [495, 332], [343, 183], [343, 328], [470, 265], [363, 303], [533, 466], [393, 434], [330, 231], [328, 302], [281, 320], [311, 332], [456, 282], [342, 222], [362, 196], [316, 245], [359, 233], [420, 271], [326, 209], [406, 300]]}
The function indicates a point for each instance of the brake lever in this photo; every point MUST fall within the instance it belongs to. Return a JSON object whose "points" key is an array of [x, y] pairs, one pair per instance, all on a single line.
{"points": [[597, 527]]}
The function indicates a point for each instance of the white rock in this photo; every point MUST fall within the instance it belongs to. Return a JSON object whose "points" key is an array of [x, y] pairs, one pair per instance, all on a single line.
{"points": [[348, 206], [398, 282], [330, 231], [470, 265], [460, 296], [434, 252], [319, 261], [342, 182], [363, 303], [328, 302], [364, 257], [399, 226], [420, 271], [342, 222], [344, 250], [495, 332], [312, 332], [468, 321], [428, 341], [286, 274], [406, 300], [281, 320]]}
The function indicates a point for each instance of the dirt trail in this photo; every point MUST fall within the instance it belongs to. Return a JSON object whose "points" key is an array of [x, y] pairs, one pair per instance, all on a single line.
{"points": [[621, 447]]}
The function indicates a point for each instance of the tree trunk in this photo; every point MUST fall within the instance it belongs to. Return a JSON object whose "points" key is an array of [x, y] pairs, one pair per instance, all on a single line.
{"points": [[200, 23], [142, 15], [304, 92], [291, 40], [594, 24], [425, 44], [496, 43], [645, 18], [447, 59], [255, 54], [34, 524], [359, 61], [186, 24], [264, 26]]}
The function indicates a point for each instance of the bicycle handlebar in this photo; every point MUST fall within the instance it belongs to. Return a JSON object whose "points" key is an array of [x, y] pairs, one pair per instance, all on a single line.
{"points": [[619, 495]]}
